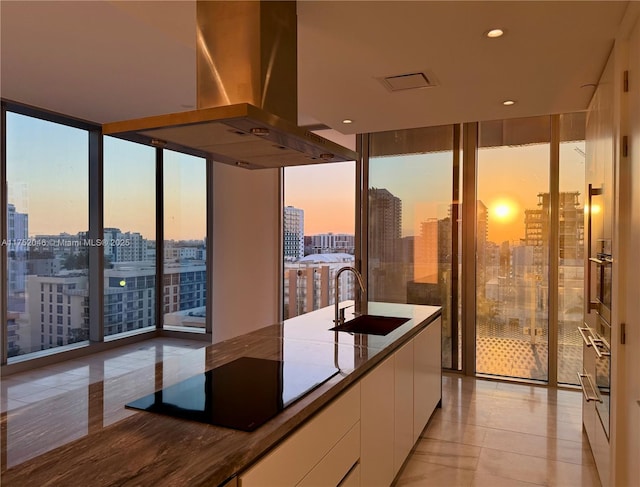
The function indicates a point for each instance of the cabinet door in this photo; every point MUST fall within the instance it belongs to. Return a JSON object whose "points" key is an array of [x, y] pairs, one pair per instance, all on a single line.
{"points": [[403, 398], [296, 456], [427, 379], [376, 424]]}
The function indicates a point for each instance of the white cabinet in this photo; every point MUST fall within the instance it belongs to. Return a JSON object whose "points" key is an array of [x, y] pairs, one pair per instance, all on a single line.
{"points": [[397, 399], [427, 378], [364, 436], [403, 405], [377, 425], [299, 455], [337, 463], [352, 479]]}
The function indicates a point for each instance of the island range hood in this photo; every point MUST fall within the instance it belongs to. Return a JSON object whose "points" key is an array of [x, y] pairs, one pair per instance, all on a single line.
{"points": [[247, 98]]}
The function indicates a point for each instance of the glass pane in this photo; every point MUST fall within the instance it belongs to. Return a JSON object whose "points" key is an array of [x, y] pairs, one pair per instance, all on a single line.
{"points": [[319, 235], [410, 227], [47, 191], [512, 247], [185, 230], [456, 338], [129, 236], [571, 261]]}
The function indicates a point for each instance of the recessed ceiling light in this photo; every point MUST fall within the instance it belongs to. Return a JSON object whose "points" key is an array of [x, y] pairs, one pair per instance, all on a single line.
{"points": [[508, 103], [493, 33], [347, 121]]}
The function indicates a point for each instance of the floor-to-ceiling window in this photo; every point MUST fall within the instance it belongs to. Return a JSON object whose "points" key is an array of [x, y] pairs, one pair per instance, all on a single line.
{"points": [[47, 278], [79, 253], [185, 229], [129, 236], [411, 227], [512, 247], [571, 245], [318, 235]]}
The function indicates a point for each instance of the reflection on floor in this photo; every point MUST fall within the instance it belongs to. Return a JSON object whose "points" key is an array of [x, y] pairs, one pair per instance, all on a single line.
{"points": [[45, 382], [509, 352], [496, 434]]}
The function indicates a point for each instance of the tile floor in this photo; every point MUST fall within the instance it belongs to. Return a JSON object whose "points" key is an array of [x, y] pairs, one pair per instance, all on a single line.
{"points": [[491, 433]]}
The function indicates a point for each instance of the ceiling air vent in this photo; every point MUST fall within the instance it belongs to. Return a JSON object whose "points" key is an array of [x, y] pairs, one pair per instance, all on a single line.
{"points": [[411, 81]]}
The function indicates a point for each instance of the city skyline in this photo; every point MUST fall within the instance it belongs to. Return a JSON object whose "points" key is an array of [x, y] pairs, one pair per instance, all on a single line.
{"points": [[48, 178], [505, 183]]}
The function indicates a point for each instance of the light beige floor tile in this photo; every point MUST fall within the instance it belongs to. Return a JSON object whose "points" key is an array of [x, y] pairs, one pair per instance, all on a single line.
{"points": [[467, 434], [526, 468], [514, 466], [569, 475], [538, 446], [536, 424], [449, 454], [469, 414], [486, 480], [423, 474]]}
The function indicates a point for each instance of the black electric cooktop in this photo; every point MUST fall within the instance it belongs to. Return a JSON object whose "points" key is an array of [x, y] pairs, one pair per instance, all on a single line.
{"points": [[242, 394]]}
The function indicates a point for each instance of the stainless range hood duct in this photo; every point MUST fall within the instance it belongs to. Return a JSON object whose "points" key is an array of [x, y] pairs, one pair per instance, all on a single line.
{"points": [[247, 96]]}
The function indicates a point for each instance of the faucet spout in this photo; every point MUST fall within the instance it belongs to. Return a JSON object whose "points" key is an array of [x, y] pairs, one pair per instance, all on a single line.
{"points": [[339, 318]]}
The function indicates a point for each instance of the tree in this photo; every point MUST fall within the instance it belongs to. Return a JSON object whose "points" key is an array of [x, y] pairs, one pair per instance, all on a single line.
{"points": [[76, 261]]}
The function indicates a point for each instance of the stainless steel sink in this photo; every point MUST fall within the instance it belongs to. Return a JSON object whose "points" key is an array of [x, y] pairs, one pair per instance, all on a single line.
{"points": [[371, 325]]}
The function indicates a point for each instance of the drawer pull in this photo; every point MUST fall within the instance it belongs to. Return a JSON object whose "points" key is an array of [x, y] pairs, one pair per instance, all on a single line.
{"points": [[596, 343], [584, 337], [587, 396]]}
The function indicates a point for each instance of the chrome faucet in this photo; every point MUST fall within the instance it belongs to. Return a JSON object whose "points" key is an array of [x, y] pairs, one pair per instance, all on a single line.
{"points": [[339, 319]]}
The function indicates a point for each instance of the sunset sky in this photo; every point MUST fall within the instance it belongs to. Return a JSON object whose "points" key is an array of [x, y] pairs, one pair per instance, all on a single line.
{"points": [[508, 178], [48, 179], [47, 175]]}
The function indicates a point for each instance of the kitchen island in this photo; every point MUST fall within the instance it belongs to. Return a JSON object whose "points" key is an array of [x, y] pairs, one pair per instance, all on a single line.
{"points": [[111, 445]]}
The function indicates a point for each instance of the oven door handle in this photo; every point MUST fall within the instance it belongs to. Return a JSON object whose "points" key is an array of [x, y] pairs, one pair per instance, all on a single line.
{"points": [[584, 337], [588, 303], [596, 343], [587, 396]]}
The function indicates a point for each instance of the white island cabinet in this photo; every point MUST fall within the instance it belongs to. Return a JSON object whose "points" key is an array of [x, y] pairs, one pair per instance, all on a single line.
{"points": [[363, 437], [398, 398], [320, 453], [427, 375]]}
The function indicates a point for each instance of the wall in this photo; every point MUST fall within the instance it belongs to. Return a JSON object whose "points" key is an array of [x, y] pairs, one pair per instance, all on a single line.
{"points": [[626, 437], [246, 247], [622, 109]]}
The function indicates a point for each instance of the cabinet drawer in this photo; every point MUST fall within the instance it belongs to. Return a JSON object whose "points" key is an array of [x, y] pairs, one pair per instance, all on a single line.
{"points": [[288, 463], [337, 463], [353, 479]]}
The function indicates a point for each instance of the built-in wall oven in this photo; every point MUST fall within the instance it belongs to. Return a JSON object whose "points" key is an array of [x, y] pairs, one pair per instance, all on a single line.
{"points": [[596, 377]]}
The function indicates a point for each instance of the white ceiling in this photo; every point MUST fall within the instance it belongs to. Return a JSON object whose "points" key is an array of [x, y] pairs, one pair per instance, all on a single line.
{"points": [[106, 61]]}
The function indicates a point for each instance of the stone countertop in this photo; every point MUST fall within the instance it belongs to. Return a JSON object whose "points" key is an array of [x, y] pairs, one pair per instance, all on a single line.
{"points": [[87, 437]]}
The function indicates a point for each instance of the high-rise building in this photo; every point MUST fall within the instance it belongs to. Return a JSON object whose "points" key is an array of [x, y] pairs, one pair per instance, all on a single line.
{"points": [[309, 283], [57, 311], [124, 247], [17, 235], [571, 227], [328, 243], [293, 224], [385, 220]]}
